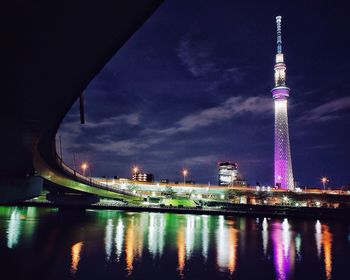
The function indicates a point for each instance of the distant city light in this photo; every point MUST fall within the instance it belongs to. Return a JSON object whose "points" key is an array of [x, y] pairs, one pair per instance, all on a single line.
{"points": [[135, 169]]}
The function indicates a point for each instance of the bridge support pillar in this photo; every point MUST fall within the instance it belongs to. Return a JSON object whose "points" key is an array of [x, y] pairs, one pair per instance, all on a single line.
{"points": [[19, 189], [72, 199]]}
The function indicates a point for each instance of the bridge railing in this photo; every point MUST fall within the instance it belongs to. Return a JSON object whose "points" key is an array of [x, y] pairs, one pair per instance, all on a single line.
{"points": [[90, 181]]}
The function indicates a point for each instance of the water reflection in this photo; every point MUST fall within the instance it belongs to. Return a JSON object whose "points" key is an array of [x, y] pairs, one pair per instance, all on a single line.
{"points": [[265, 235], [119, 238], [134, 237], [181, 250], [129, 247], [75, 253], [286, 236], [156, 230], [226, 245], [324, 240], [205, 237], [190, 219], [298, 246], [283, 250], [318, 237], [13, 229], [20, 222], [327, 250], [194, 231], [149, 242], [109, 239]]}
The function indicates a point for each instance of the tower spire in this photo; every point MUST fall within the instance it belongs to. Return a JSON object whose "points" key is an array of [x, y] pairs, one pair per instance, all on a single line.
{"points": [[279, 34], [283, 162], [280, 67]]}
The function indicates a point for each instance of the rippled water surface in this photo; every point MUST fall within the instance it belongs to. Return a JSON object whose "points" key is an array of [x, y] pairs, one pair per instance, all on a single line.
{"points": [[39, 243]]}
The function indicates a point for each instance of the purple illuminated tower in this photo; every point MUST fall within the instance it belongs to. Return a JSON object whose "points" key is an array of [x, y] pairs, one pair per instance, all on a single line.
{"points": [[280, 93]]}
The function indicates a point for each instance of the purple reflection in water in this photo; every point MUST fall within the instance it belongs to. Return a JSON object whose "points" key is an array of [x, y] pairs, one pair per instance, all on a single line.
{"points": [[283, 250]]}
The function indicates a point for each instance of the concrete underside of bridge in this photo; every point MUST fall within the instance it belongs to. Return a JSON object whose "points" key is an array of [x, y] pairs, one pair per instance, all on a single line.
{"points": [[50, 51]]}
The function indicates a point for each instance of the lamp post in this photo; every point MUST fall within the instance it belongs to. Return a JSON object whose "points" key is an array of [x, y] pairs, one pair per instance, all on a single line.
{"points": [[185, 173], [84, 166], [324, 181], [59, 137], [74, 166], [135, 170]]}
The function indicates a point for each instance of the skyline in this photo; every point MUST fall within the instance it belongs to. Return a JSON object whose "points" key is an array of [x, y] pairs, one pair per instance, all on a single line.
{"points": [[203, 90]]}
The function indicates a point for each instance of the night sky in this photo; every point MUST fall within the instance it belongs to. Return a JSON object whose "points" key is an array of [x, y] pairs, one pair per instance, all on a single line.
{"points": [[193, 87]]}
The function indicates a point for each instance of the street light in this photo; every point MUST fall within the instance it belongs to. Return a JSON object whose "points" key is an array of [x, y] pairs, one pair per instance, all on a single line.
{"points": [[135, 170], [84, 166], [324, 181], [184, 173]]}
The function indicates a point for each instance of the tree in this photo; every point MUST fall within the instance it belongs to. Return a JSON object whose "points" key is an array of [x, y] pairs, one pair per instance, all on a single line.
{"points": [[169, 192], [131, 187], [191, 193], [231, 193], [262, 196]]}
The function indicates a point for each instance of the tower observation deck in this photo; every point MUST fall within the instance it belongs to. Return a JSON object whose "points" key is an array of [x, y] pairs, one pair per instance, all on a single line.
{"points": [[282, 156]]}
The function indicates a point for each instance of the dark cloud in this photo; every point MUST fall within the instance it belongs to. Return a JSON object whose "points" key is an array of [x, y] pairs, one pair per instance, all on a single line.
{"points": [[328, 111], [196, 57]]}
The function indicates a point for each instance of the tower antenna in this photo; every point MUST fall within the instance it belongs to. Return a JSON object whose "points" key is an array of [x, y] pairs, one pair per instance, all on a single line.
{"points": [[279, 34]]}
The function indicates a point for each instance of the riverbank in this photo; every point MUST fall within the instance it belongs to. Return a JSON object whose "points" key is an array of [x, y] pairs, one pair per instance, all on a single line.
{"points": [[234, 210]]}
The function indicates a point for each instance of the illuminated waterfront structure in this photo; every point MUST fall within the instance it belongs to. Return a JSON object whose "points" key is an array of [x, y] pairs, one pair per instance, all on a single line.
{"points": [[229, 176], [142, 177], [228, 173], [280, 93]]}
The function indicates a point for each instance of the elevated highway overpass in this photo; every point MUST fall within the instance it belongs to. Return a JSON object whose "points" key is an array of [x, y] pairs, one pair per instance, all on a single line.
{"points": [[50, 51]]}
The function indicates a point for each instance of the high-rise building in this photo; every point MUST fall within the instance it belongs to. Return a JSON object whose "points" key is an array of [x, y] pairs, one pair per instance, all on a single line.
{"points": [[280, 93], [228, 173]]}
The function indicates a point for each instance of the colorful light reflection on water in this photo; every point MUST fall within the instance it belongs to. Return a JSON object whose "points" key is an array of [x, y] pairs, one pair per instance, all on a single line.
{"points": [[143, 245]]}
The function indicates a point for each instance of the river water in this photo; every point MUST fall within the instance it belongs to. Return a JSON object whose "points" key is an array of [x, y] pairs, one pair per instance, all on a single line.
{"points": [[42, 243]]}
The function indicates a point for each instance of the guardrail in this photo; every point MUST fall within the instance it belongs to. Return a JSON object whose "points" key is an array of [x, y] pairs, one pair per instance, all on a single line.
{"points": [[91, 182]]}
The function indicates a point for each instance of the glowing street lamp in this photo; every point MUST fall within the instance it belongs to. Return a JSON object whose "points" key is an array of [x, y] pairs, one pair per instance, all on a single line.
{"points": [[135, 170], [185, 173], [84, 166], [324, 181]]}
